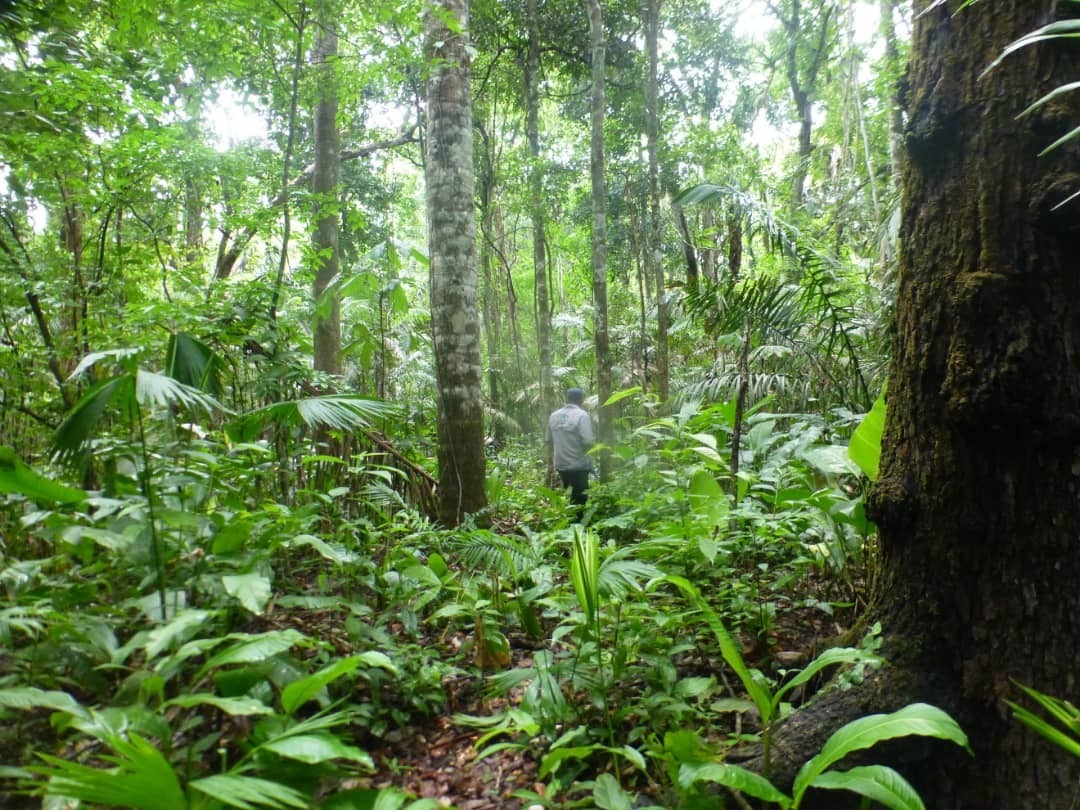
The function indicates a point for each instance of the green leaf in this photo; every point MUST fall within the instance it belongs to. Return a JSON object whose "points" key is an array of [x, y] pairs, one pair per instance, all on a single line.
{"points": [[585, 572], [247, 792], [877, 783], [830, 657], [17, 476], [734, 777], [707, 499], [374, 658], [297, 693], [178, 628], [142, 778], [254, 648], [237, 707], [315, 748], [335, 554], [30, 697], [193, 363], [160, 391], [917, 719], [78, 426], [609, 795], [728, 648], [865, 445], [348, 413], [618, 396], [251, 589]]}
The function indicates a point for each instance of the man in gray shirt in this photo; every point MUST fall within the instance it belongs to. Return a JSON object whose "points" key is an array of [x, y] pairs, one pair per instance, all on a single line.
{"points": [[570, 434]]}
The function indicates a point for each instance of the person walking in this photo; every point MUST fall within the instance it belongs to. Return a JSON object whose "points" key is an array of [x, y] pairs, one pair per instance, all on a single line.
{"points": [[570, 435]]}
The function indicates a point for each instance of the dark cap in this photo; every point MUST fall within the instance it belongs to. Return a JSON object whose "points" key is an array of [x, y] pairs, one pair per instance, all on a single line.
{"points": [[575, 395]]}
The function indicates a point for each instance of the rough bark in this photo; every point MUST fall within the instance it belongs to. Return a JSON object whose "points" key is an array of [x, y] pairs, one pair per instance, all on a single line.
{"points": [[977, 502], [324, 185], [448, 169], [601, 337]]}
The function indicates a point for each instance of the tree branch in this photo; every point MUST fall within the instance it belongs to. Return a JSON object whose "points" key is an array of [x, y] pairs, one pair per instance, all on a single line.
{"points": [[228, 258]]}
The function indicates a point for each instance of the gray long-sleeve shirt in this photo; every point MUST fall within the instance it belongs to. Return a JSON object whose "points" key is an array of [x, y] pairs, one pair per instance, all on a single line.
{"points": [[570, 432]]}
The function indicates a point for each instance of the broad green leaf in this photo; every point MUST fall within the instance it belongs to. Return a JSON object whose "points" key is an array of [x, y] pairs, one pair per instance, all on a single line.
{"points": [[251, 589], [865, 445], [193, 363], [316, 748], [258, 647], [917, 719], [877, 783], [335, 554], [618, 396], [707, 499], [30, 697], [16, 476], [248, 792], [609, 795], [297, 693], [832, 459], [734, 777], [178, 629], [237, 707], [374, 658]]}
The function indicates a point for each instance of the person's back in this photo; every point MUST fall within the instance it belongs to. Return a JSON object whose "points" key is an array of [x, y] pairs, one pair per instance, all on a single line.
{"points": [[570, 433]]}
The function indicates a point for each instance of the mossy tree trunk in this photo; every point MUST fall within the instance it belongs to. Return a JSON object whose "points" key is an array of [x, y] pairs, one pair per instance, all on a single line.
{"points": [[978, 502]]}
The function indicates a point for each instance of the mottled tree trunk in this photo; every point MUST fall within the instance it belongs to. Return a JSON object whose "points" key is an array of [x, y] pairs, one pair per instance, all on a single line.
{"points": [[448, 170], [601, 338], [324, 182], [978, 503]]}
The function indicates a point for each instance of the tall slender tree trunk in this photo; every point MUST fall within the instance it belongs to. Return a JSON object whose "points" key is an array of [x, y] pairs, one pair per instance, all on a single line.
{"points": [[896, 114], [977, 499], [536, 209], [654, 256], [601, 338], [448, 170], [325, 181]]}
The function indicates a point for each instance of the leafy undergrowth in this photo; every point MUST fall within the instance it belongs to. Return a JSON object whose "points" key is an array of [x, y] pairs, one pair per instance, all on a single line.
{"points": [[334, 649]]}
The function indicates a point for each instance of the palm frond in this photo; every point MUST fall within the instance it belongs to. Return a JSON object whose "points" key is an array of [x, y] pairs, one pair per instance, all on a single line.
{"points": [[141, 778], [161, 391], [504, 555], [338, 411], [94, 358], [79, 425]]}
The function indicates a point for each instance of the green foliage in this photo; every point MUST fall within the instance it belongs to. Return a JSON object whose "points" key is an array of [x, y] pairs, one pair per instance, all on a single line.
{"points": [[875, 782], [1063, 726]]}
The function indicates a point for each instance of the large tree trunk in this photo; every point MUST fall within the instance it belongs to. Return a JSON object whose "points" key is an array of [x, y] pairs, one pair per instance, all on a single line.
{"points": [[448, 169], [324, 182], [977, 501], [601, 338]]}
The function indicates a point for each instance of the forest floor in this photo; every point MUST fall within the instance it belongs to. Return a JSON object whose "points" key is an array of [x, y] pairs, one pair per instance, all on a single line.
{"points": [[438, 758]]}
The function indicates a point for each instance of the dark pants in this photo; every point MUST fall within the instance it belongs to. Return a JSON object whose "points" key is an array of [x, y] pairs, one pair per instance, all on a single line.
{"points": [[578, 481]]}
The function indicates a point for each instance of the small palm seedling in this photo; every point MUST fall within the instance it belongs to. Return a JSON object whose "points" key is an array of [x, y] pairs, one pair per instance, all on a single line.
{"points": [[1063, 726]]}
